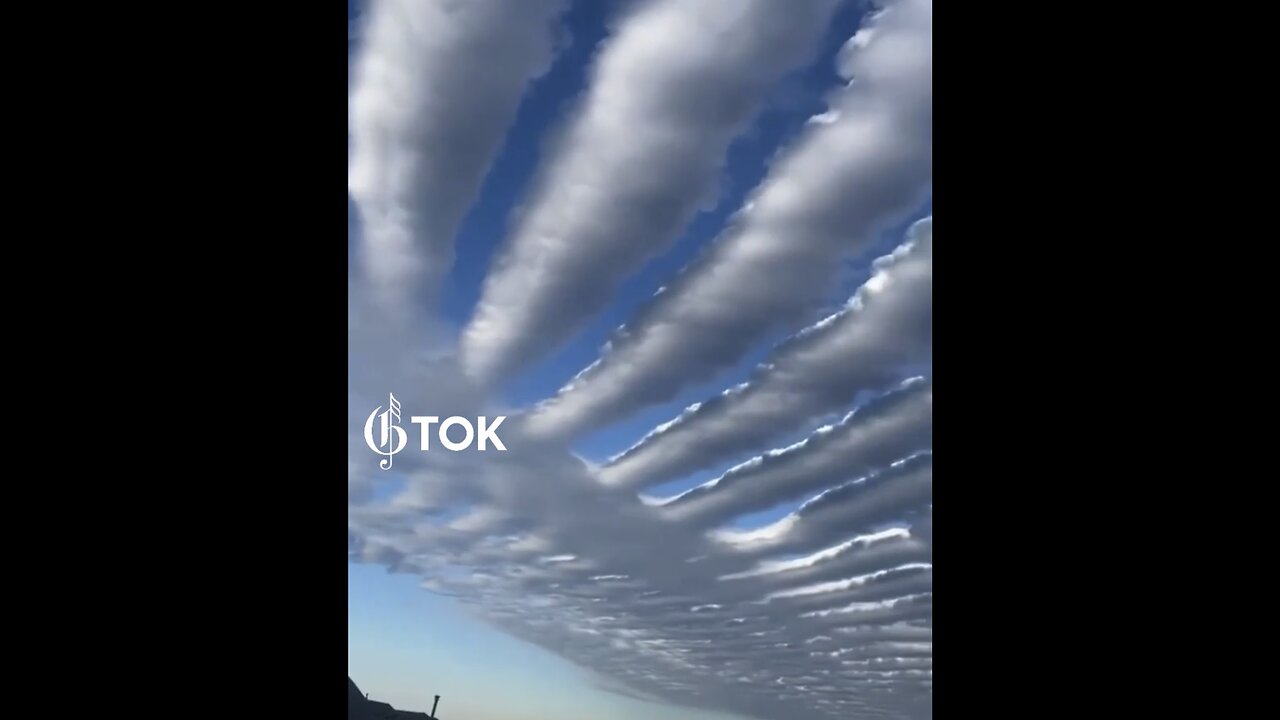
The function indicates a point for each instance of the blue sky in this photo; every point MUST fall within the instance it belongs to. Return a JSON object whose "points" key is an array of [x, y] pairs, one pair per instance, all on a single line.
{"points": [[406, 644]]}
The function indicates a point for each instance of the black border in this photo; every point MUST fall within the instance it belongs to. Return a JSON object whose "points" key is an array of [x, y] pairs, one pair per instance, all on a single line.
{"points": [[248, 121], [1036, 613], [226, 128]]}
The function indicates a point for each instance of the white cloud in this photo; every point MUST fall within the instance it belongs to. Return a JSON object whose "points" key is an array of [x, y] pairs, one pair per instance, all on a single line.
{"points": [[887, 323], [825, 199], [668, 93], [436, 85]]}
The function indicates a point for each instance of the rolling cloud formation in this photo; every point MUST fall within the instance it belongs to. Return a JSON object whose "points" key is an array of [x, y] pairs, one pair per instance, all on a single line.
{"points": [[670, 90], [436, 86], [863, 164], [797, 582]]}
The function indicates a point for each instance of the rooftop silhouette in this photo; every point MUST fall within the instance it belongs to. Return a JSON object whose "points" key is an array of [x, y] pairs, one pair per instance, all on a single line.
{"points": [[360, 707]]}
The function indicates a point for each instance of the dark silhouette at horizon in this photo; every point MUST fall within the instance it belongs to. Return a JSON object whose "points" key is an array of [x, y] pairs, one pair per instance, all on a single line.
{"points": [[360, 707]]}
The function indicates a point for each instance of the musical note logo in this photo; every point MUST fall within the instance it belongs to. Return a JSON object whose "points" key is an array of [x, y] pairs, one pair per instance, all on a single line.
{"points": [[392, 437]]}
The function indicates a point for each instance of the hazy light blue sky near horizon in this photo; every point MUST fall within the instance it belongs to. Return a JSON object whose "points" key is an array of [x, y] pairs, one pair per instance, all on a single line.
{"points": [[406, 644]]}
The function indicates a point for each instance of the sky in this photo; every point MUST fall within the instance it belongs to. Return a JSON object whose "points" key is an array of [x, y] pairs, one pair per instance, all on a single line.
{"points": [[685, 246]]}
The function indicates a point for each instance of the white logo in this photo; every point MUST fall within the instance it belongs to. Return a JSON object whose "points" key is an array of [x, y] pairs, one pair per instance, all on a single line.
{"points": [[392, 438]]}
